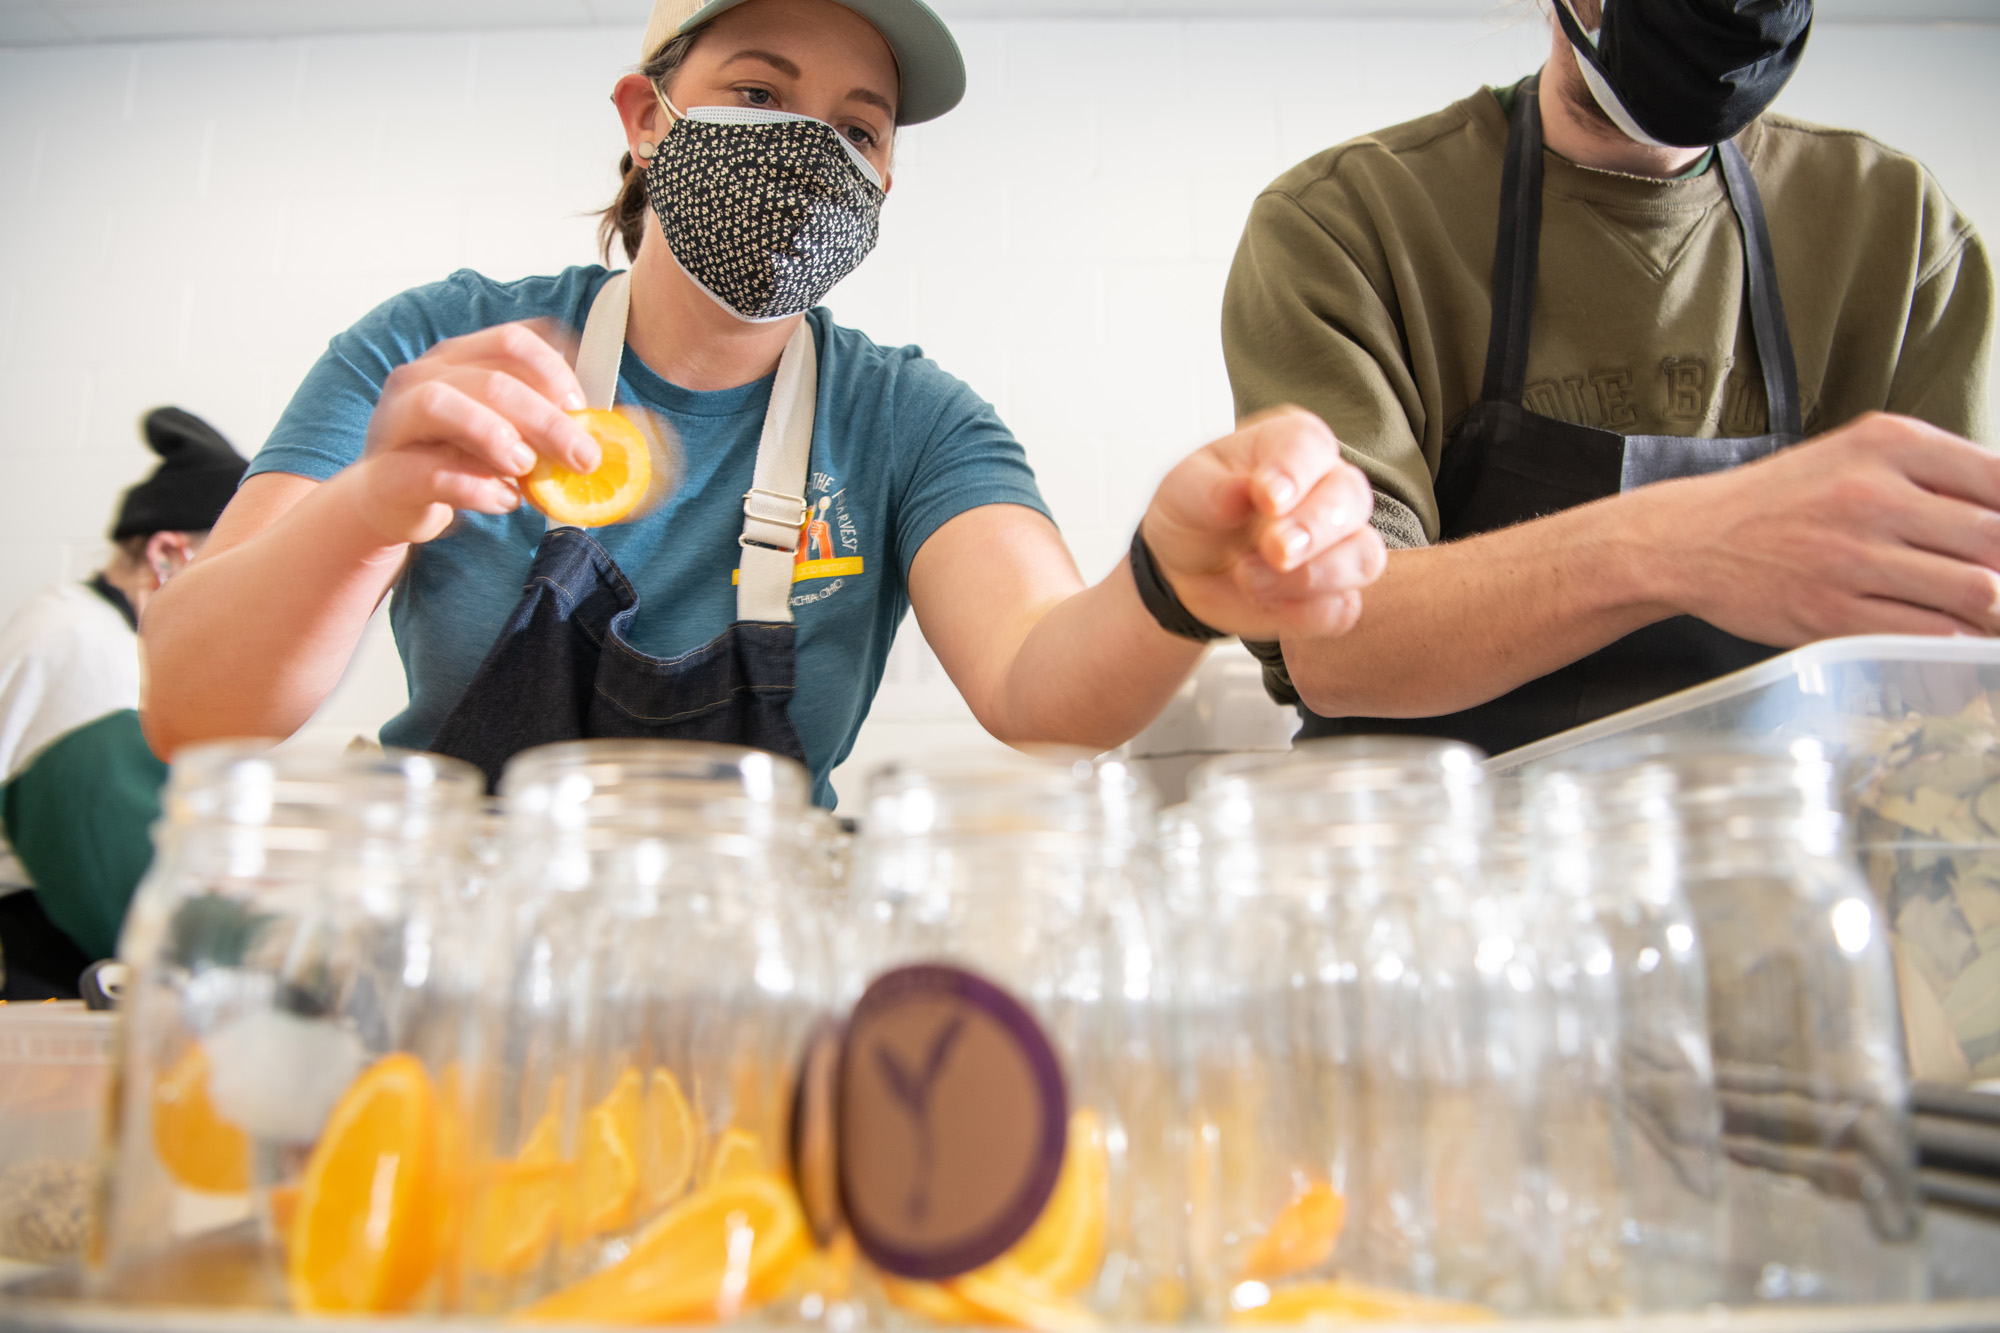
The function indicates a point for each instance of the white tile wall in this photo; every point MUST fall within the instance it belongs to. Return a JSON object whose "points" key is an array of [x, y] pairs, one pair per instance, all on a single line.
{"points": [[189, 221]]}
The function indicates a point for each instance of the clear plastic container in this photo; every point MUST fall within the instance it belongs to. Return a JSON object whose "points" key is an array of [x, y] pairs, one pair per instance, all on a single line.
{"points": [[55, 1074], [1910, 724], [1008, 1113], [649, 996]]}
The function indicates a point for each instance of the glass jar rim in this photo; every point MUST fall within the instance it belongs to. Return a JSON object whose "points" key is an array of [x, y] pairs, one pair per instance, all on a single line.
{"points": [[582, 782], [1011, 793]]}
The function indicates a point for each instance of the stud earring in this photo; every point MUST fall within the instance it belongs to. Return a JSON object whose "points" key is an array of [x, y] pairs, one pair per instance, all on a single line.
{"points": [[646, 150]]}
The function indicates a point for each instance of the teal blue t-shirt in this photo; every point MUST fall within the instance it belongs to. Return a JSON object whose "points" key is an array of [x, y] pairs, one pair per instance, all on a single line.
{"points": [[899, 449]]}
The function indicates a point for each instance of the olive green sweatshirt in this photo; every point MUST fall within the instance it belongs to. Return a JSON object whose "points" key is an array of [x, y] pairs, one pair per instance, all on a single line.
{"points": [[1362, 291]]}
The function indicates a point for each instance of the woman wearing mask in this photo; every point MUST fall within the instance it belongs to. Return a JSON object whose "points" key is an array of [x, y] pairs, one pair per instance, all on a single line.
{"points": [[760, 136]]}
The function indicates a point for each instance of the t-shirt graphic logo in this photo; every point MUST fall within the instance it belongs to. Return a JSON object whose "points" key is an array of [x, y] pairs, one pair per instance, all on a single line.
{"points": [[913, 1092], [829, 549], [817, 532]]}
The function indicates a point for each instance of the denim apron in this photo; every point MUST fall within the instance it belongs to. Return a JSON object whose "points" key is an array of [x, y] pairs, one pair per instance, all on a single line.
{"points": [[564, 667], [1505, 465]]}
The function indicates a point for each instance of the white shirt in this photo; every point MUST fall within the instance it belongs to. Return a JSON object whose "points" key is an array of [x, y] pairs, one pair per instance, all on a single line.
{"points": [[66, 658]]}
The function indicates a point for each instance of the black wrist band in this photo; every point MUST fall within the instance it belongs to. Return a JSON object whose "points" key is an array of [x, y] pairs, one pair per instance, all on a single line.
{"points": [[1158, 596]]}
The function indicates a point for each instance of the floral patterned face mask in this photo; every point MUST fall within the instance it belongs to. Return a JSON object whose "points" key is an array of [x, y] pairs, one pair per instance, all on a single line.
{"points": [[765, 210]]}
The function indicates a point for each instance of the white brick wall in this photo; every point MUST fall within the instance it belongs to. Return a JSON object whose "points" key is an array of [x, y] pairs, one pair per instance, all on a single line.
{"points": [[188, 222]]}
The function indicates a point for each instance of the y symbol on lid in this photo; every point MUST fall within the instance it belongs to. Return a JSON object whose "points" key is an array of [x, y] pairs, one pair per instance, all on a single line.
{"points": [[914, 1092]]}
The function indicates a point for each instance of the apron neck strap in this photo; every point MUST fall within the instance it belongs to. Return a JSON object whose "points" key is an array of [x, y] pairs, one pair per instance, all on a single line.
{"points": [[774, 508], [1517, 260], [603, 346], [1767, 306], [1517, 252]]}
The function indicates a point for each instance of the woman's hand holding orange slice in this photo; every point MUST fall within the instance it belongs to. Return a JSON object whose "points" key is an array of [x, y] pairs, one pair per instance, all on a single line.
{"points": [[460, 426]]}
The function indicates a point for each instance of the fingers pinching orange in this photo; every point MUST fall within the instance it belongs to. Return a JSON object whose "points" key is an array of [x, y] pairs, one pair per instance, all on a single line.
{"points": [[621, 481]]}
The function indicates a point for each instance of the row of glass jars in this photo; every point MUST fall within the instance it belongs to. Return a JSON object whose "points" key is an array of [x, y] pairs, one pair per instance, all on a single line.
{"points": [[1334, 1041]]}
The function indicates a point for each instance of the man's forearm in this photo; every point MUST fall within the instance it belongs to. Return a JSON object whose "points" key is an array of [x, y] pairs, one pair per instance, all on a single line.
{"points": [[1452, 626]]}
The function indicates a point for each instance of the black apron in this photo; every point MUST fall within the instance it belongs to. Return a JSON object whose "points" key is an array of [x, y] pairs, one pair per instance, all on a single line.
{"points": [[564, 668], [1505, 465]]}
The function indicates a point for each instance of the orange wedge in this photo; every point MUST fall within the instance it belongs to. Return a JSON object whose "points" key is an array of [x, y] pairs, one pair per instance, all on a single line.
{"points": [[199, 1148], [1003, 1294], [365, 1238], [933, 1300], [611, 1157], [1301, 1238], [607, 495], [720, 1251], [1065, 1247], [517, 1215], [1347, 1302], [737, 1152], [670, 1140]]}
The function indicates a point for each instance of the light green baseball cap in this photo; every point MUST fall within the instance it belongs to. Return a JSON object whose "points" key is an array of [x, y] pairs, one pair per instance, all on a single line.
{"points": [[927, 55]]}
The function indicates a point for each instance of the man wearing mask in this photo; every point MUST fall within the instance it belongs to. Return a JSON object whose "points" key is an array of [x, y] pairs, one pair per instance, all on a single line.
{"points": [[1573, 329], [81, 788]]}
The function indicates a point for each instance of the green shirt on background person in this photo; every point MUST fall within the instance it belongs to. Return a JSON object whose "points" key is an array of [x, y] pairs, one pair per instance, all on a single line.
{"points": [[1361, 291]]}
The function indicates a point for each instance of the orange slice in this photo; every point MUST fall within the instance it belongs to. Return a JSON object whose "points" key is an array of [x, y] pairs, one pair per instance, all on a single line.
{"points": [[933, 1300], [199, 1148], [1065, 1247], [1344, 1302], [1002, 1294], [517, 1216], [1302, 1237], [670, 1141], [737, 1152], [611, 1157], [717, 1252], [607, 495], [365, 1237]]}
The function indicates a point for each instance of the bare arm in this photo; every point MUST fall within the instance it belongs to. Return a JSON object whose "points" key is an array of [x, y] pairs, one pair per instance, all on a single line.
{"points": [[1886, 526], [250, 638], [255, 633], [1261, 531]]}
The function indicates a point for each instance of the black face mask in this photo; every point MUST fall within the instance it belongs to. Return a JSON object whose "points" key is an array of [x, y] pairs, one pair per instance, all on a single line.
{"points": [[1689, 73]]}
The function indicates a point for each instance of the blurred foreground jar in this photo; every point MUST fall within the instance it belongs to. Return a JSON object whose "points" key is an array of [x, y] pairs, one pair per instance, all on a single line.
{"points": [[630, 1080], [287, 954], [1822, 1199], [1359, 1054], [1634, 1132], [1007, 1113]]}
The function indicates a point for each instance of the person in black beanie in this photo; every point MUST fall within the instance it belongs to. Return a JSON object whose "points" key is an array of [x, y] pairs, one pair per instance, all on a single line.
{"points": [[80, 787]]}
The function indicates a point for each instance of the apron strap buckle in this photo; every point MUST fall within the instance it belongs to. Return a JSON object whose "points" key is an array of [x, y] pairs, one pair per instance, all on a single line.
{"points": [[772, 518]]}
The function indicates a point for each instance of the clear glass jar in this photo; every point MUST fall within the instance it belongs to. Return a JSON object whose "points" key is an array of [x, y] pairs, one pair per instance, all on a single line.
{"points": [[283, 942], [1802, 1018], [1012, 1049], [1361, 1062], [632, 1072], [1628, 977]]}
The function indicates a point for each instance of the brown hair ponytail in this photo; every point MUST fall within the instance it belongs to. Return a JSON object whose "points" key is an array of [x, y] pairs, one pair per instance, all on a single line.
{"points": [[625, 220]]}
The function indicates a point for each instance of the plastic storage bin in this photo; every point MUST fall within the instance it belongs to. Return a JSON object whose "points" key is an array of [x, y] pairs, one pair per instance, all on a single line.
{"points": [[1914, 727], [55, 1071]]}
